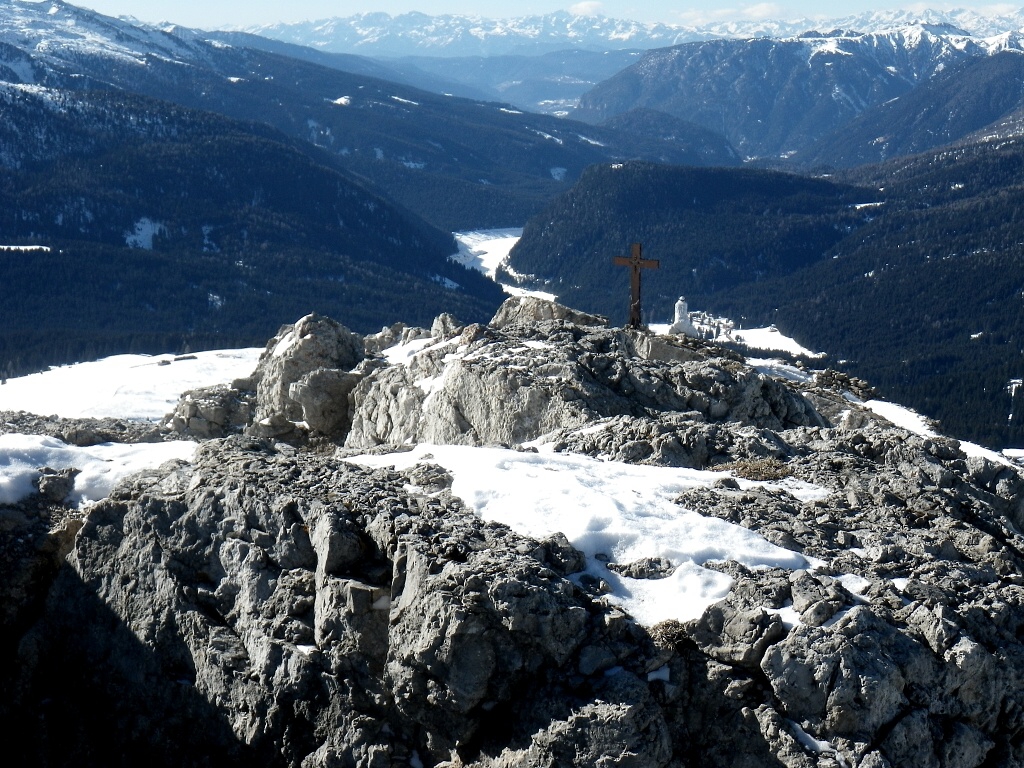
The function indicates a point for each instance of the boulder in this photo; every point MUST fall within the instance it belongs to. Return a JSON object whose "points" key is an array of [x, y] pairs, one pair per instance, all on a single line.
{"points": [[311, 343], [520, 310]]}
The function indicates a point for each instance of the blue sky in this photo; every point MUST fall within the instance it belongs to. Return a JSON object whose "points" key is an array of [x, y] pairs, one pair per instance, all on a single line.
{"points": [[207, 14]]}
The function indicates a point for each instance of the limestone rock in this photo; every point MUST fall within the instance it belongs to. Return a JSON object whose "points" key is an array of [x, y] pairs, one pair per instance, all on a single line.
{"points": [[527, 310], [311, 343], [211, 412], [507, 387], [273, 605]]}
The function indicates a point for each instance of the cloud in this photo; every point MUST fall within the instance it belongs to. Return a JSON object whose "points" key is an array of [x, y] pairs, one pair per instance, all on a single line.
{"points": [[754, 12], [587, 8], [760, 11]]}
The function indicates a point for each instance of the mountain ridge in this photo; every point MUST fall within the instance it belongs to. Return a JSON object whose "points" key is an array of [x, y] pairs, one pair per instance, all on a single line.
{"points": [[454, 35]]}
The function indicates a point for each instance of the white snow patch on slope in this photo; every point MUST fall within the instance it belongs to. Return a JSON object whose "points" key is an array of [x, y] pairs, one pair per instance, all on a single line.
{"points": [[145, 230], [622, 511], [771, 338], [486, 249], [102, 466], [124, 386]]}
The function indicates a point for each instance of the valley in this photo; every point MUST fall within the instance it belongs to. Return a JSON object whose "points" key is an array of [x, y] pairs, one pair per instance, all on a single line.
{"points": [[325, 443], [202, 187]]}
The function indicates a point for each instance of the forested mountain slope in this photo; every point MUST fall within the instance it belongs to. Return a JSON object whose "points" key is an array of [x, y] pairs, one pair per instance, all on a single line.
{"points": [[911, 272], [459, 163], [956, 103], [711, 229], [774, 97], [171, 228]]}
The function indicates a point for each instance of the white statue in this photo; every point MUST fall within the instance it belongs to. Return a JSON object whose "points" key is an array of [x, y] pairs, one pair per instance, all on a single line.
{"points": [[682, 325]]}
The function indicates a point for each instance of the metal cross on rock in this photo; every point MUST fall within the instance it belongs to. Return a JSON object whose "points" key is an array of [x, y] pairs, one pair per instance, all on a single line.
{"points": [[637, 262]]}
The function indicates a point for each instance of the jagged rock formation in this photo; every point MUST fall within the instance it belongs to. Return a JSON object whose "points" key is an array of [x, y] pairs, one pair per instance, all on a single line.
{"points": [[80, 432], [277, 605]]}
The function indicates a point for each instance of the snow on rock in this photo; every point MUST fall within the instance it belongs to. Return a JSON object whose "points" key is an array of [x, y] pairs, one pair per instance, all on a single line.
{"points": [[100, 467], [611, 511], [124, 386], [142, 236]]}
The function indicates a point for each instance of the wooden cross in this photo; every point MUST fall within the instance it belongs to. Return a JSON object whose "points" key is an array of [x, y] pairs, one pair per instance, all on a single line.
{"points": [[637, 262]]}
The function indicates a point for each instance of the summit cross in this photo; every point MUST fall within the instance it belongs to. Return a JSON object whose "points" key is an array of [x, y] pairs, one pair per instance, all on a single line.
{"points": [[637, 262]]}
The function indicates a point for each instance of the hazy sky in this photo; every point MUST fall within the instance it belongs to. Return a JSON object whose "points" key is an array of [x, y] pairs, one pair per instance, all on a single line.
{"points": [[226, 13]]}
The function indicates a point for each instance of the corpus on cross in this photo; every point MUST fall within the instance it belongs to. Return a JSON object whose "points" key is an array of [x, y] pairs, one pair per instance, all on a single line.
{"points": [[637, 262]]}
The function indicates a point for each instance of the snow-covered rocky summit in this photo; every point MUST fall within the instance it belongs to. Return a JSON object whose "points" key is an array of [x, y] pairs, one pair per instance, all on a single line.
{"points": [[539, 541]]}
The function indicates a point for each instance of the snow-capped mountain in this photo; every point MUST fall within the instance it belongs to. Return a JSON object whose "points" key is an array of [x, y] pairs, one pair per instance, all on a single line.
{"points": [[775, 96], [381, 34], [57, 34]]}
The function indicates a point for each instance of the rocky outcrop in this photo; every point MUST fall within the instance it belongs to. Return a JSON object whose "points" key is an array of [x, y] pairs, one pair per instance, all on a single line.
{"points": [[211, 412], [278, 606], [326, 615], [490, 386], [81, 432], [312, 344], [530, 310]]}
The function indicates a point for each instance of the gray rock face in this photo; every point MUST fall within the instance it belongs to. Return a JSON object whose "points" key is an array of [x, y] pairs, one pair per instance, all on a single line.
{"points": [[81, 432], [274, 606], [324, 613], [530, 310], [506, 387], [211, 412], [312, 343]]}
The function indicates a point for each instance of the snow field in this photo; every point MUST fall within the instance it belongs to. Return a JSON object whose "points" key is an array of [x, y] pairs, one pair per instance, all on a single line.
{"points": [[610, 511], [124, 386], [102, 466]]}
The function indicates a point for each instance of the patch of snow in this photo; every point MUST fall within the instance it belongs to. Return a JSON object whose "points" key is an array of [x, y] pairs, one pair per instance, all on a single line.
{"points": [[405, 101], [344, 101], [558, 174], [401, 354], [854, 584], [661, 673], [771, 338], [549, 137], [145, 230], [594, 142], [621, 511], [451, 285], [101, 466], [780, 370], [284, 344], [485, 250], [513, 290], [124, 386], [787, 615], [809, 742], [508, 111], [24, 248]]}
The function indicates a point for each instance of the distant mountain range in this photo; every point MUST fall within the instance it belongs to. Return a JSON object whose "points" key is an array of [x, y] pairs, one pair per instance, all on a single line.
{"points": [[380, 34], [459, 163], [776, 98]]}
